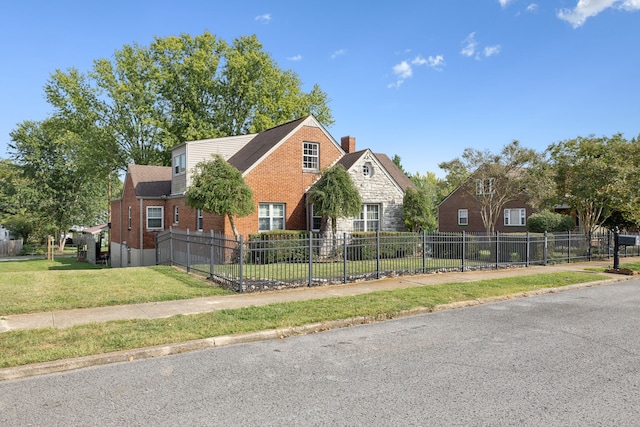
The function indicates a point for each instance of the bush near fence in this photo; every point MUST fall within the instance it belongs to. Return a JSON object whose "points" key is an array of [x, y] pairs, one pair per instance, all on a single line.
{"points": [[386, 245], [277, 246]]}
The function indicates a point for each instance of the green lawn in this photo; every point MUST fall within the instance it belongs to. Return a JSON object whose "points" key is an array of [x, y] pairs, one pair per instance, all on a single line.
{"points": [[48, 344], [41, 285]]}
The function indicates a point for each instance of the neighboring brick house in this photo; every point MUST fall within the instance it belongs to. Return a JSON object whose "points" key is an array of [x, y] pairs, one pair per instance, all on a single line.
{"points": [[279, 165], [460, 211]]}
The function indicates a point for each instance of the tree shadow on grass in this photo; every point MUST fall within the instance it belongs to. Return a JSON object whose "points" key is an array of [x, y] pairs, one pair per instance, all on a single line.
{"points": [[74, 264]]}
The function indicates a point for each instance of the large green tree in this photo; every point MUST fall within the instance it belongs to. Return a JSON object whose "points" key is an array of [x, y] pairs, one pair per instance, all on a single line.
{"points": [[494, 179], [219, 188], [335, 195], [64, 191], [420, 204], [135, 106], [596, 177]]}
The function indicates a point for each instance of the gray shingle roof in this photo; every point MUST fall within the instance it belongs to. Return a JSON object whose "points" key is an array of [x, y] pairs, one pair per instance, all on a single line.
{"points": [[261, 144], [150, 181]]}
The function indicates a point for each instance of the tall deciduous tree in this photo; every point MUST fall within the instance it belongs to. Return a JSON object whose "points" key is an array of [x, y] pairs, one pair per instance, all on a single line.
{"points": [[65, 192], [219, 188], [335, 195], [595, 177], [146, 99], [494, 179]]}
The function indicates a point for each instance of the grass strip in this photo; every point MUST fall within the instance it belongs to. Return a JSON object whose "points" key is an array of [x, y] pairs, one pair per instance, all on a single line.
{"points": [[48, 344], [37, 286]]}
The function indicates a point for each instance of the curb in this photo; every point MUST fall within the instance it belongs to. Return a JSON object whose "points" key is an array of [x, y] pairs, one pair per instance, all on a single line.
{"points": [[25, 371]]}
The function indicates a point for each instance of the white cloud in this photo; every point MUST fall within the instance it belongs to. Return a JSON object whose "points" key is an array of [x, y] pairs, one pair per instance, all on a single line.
{"points": [[586, 9], [532, 7], [470, 48], [298, 57], [338, 53], [492, 50], [504, 3], [470, 45], [403, 70], [264, 18]]}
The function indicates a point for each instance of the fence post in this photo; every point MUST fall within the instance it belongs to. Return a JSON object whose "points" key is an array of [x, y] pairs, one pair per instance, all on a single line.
{"points": [[170, 246], [155, 240], [464, 249], [377, 254], [544, 249], [188, 252], [211, 255], [424, 251], [241, 255], [344, 257], [497, 250], [310, 257], [568, 247], [589, 248], [528, 249]]}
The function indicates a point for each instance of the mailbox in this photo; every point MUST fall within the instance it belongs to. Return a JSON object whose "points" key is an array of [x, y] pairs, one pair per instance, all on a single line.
{"points": [[628, 240]]}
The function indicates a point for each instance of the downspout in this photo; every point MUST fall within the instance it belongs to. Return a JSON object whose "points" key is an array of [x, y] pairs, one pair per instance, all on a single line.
{"points": [[140, 258]]}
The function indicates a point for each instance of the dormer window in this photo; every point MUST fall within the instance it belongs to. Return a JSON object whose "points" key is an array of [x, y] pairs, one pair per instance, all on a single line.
{"points": [[310, 156], [179, 164]]}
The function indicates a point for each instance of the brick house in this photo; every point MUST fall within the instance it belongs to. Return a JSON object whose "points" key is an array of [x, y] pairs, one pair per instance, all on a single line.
{"points": [[460, 211], [279, 165]]}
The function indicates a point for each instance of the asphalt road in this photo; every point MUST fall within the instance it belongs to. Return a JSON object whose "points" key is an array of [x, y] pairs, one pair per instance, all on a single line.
{"points": [[565, 359]]}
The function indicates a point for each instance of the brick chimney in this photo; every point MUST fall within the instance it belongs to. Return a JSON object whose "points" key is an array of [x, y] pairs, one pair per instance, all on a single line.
{"points": [[348, 144]]}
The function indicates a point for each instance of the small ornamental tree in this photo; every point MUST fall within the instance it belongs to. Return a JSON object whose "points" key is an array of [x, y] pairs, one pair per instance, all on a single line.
{"points": [[335, 195], [219, 188], [418, 210]]}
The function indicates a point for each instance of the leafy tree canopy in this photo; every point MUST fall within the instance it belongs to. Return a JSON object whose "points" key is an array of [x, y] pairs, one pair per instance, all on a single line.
{"points": [[335, 195], [137, 105], [219, 188]]}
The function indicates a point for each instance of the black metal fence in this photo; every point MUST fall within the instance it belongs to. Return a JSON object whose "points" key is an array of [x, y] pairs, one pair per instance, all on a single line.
{"points": [[309, 259]]}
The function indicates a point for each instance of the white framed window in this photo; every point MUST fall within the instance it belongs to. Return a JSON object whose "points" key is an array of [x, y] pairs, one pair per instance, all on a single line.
{"points": [[316, 224], [484, 186], [463, 217], [199, 220], [515, 217], [176, 214], [311, 156], [129, 218], [369, 219], [367, 170], [179, 164], [155, 217], [271, 216]]}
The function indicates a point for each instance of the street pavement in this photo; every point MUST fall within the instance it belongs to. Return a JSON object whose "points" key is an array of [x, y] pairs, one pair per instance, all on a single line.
{"points": [[67, 318]]}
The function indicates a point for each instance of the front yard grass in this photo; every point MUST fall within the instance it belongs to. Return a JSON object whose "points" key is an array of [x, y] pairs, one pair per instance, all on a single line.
{"points": [[48, 344], [42, 285]]}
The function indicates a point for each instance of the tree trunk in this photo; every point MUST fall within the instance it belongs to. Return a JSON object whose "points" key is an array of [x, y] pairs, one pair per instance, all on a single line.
{"points": [[233, 226]]}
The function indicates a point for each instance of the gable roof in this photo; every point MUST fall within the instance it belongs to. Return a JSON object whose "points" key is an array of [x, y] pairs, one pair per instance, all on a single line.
{"points": [[267, 141], [150, 181], [394, 172]]}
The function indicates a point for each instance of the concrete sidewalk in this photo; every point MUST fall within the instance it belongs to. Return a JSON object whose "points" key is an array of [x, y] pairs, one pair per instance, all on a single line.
{"points": [[66, 318]]}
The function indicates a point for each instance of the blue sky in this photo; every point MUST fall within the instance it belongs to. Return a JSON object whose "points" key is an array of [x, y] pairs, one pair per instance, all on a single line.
{"points": [[420, 79]]}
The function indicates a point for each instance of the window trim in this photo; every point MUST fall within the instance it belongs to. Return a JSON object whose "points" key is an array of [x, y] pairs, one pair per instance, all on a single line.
{"points": [[310, 156], [271, 215], [176, 214], [199, 220], [485, 186], [179, 164], [161, 217], [362, 221], [522, 217], [465, 216]]}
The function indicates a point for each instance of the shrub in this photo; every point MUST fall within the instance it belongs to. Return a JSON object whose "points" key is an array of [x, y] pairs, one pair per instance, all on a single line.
{"points": [[278, 246], [362, 245], [549, 221]]}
